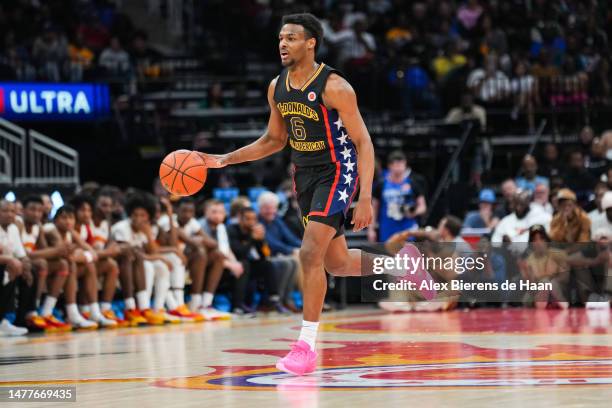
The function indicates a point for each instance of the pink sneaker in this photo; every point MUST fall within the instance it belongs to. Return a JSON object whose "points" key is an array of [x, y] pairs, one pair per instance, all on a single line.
{"points": [[420, 274], [300, 360]]}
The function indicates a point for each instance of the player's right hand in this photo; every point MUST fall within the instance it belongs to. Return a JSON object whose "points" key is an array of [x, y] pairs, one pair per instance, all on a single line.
{"points": [[214, 161]]}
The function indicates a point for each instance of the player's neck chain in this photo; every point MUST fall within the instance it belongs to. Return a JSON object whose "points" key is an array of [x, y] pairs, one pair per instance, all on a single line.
{"points": [[308, 77]]}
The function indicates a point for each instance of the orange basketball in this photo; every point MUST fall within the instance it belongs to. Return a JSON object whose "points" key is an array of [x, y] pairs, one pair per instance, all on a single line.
{"points": [[182, 173]]}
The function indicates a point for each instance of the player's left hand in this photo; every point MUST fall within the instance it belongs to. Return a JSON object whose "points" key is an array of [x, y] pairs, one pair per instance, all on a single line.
{"points": [[362, 215]]}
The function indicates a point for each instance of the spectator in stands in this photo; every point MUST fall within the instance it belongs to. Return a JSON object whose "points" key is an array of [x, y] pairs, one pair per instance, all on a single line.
{"points": [[236, 206], [468, 15], [598, 212], [356, 45], [467, 111], [541, 198], [414, 86], [490, 84], [577, 177], [81, 59], [585, 140], [248, 242], [515, 226], [570, 224], [601, 221], [281, 239], [291, 214], [284, 246], [529, 178], [95, 34], [143, 58], [525, 92], [50, 51], [115, 59], [550, 165], [449, 60], [596, 161], [505, 206], [483, 217], [398, 199], [545, 265], [544, 71]]}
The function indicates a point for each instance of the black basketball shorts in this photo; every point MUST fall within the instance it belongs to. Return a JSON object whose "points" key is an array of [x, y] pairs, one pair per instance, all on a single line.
{"points": [[325, 193]]}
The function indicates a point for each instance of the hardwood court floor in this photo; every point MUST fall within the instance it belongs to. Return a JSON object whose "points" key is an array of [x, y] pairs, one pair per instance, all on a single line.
{"points": [[500, 358]]}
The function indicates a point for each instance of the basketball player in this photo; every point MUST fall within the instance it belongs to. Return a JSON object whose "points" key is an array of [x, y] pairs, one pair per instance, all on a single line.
{"points": [[15, 268], [165, 231], [314, 107], [205, 261], [97, 236], [102, 220], [82, 268], [50, 263], [150, 269]]}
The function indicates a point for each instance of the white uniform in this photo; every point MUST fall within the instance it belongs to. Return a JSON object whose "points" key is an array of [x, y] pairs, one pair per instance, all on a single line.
{"points": [[177, 275], [191, 229], [29, 239], [10, 241], [157, 273]]}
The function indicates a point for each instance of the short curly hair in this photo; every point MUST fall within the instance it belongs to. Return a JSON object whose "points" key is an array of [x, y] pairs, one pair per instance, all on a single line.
{"points": [[141, 200]]}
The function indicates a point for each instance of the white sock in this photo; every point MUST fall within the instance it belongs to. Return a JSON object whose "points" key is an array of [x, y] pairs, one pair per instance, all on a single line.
{"points": [[207, 299], [73, 313], [196, 302], [48, 306], [179, 296], [171, 301], [143, 299], [309, 333], [96, 314], [130, 303], [162, 286], [85, 308], [106, 306]]}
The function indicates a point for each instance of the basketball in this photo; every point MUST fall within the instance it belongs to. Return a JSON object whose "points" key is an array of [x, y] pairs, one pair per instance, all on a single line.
{"points": [[182, 173]]}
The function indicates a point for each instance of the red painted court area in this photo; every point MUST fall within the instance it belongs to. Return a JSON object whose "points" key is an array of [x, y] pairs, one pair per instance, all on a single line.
{"points": [[486, 321]]}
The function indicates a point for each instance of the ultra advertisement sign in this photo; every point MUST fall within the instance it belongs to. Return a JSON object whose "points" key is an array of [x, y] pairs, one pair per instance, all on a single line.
{"points": [[53, 101]]}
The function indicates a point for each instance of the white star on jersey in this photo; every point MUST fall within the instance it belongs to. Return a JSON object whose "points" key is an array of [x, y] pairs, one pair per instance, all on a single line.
{"points": [[338, 123], [343, 196], [346, 153], [348, 179], [349, 165], [342, 138]]}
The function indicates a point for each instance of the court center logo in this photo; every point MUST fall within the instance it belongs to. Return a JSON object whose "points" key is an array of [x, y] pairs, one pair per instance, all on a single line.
{"points": [[410, 365]]}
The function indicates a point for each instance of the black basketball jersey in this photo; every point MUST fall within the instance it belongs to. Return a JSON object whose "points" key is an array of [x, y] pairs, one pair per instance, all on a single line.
{"points": [[316, 134]]}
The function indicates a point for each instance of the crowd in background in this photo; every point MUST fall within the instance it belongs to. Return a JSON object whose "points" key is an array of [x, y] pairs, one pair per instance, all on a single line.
{"points": [[517, 54], [560, 203], [69, 40]]}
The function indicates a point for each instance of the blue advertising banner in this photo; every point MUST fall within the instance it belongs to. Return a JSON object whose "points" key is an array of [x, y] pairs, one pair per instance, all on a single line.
{"points": [[53, 101]]}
